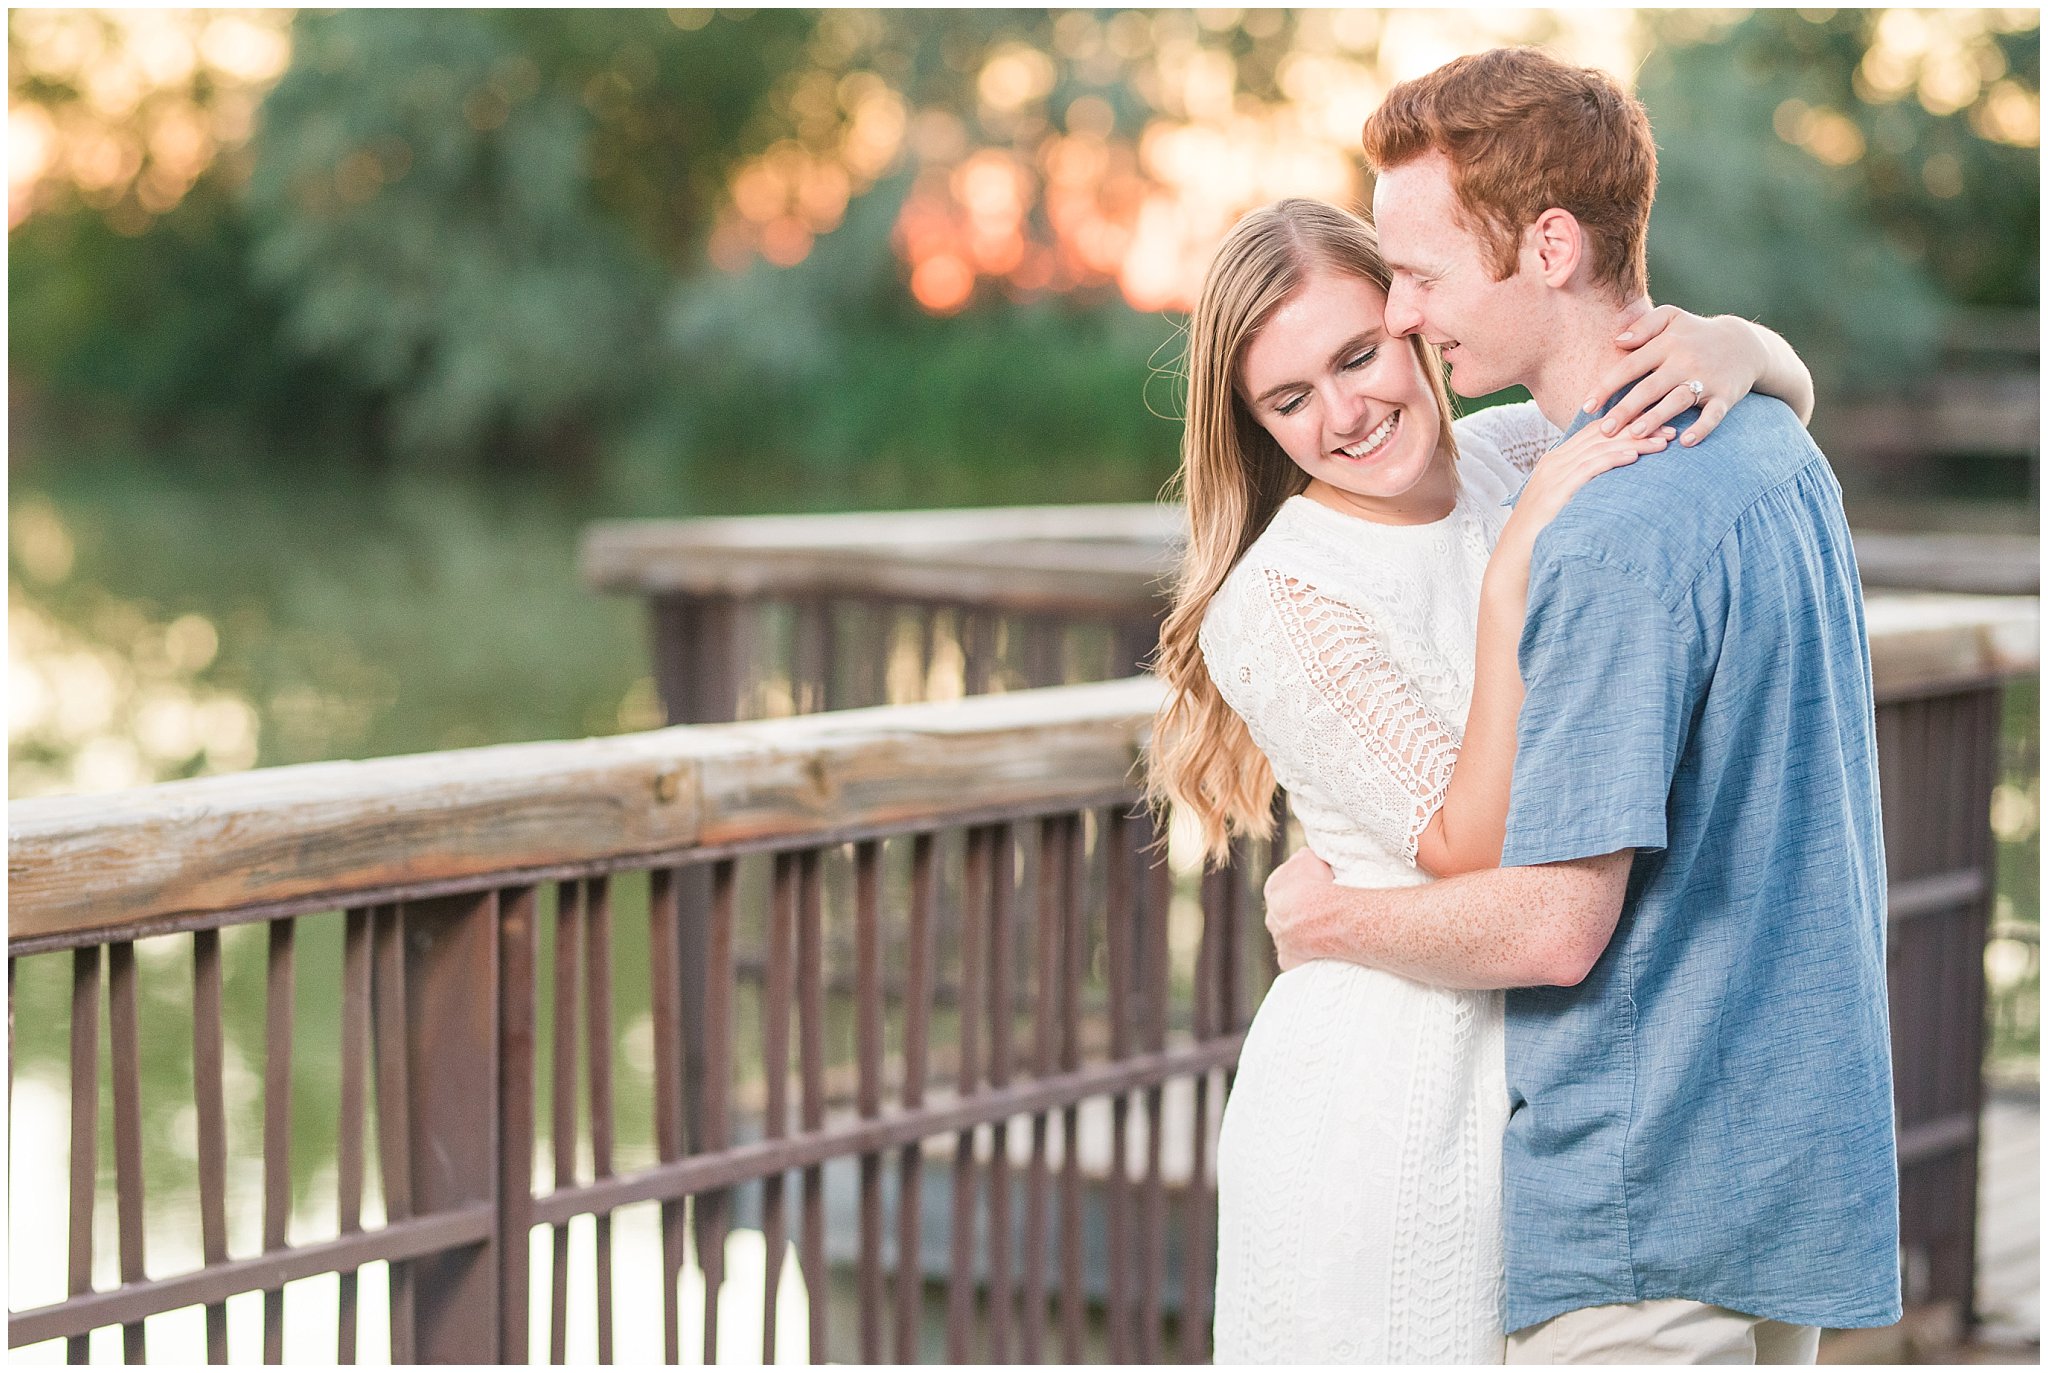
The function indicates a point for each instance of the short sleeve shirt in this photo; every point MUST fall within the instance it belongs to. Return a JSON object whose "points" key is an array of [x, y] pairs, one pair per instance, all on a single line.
{"points": [[1708, 1115]]}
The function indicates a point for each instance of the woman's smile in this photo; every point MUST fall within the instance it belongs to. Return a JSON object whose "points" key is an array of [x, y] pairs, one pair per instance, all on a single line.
{"points": [[1374, 443]]}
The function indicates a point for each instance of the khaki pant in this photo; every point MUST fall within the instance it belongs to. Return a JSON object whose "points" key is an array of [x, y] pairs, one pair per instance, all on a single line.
{"points": [[1667, 1331]]}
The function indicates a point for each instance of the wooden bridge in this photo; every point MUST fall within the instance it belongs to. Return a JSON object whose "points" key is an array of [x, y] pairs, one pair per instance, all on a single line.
{"points": [[923, 993]]}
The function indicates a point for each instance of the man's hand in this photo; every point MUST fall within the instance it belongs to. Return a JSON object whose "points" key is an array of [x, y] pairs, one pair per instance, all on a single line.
{"points": [[1296, 906]]}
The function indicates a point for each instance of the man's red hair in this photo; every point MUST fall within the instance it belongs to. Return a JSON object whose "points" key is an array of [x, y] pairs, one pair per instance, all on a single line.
{"points": [[1524, 132]]}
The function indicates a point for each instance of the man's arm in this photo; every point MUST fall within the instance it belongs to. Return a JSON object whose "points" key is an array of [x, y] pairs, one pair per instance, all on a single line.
{"points": [[1545, 925]]}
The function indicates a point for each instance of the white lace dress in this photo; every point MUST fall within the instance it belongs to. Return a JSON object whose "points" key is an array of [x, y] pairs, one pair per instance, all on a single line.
{"points": [[1359, 1166]]}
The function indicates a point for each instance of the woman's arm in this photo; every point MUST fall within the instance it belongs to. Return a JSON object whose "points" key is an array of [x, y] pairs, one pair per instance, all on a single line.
{"points": [[1467, 831], [1727, 355]]}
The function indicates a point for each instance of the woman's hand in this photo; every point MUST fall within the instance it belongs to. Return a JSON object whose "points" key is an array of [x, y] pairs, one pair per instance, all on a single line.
{"points": [[1555, 479], [1668, 351], [1569, 466]]}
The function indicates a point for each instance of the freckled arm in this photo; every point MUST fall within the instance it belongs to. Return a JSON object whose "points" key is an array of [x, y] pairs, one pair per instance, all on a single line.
{"points": [[1544, 925]]}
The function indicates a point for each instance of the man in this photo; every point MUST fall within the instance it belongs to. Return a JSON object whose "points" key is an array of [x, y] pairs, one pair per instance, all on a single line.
{"points": [[1699, 1164]]}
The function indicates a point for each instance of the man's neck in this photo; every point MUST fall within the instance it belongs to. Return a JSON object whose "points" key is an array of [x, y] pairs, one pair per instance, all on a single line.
{"points": [[1579, 349]]}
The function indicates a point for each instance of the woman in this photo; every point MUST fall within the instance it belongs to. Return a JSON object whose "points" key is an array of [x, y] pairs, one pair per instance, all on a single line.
{"points": [[1346, 625]]}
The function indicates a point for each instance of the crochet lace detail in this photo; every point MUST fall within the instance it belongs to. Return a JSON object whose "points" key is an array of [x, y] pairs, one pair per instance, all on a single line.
{"points": [[1346, 663], [1517, 433]]}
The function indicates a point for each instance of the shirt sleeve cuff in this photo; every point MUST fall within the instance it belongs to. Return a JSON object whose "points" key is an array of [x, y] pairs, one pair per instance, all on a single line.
{"points": [[1642, 832]]}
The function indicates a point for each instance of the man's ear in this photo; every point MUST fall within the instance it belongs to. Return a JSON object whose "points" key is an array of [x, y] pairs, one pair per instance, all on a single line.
{"points": [[1554, 246]]}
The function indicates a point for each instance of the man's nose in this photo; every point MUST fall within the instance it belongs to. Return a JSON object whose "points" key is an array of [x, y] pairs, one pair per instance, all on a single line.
{"points": [[1402, 316]]}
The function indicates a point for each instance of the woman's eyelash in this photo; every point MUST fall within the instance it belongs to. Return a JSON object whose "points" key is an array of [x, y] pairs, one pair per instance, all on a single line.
{"points": [[1350, 363]]}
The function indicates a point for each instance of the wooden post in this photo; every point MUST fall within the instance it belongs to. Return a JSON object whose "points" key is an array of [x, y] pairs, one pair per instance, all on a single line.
{"points": [[699, 657], [1133, 641], [700, 671], [450, 973], [518, 946], [1938, 750]]}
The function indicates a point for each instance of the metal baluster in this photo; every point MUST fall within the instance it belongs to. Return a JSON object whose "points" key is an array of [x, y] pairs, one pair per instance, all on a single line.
{"points": [[568, 977], [209, 1102], [126, 1036], [277, 1121], [917, 1019], [597, 1048], [867, 943]]}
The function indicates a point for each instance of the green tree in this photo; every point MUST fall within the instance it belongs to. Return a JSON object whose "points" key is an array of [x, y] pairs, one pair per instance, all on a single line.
{"points": [[421, 204], [1791, 193], [1957, 190]]}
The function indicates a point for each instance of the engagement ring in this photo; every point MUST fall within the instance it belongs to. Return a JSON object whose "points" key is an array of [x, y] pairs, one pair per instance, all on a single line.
{"points": [[1697, 389]]}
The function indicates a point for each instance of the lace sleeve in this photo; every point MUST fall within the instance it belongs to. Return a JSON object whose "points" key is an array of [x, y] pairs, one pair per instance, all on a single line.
{"points": [[1353, 727], [1517, 434]]}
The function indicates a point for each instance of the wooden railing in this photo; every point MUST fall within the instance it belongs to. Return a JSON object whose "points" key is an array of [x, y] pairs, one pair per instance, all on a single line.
{"points": [[783, 615], [1000, 989], [797, 613], [1012, 1019], [791, 614], [1982, 399]]}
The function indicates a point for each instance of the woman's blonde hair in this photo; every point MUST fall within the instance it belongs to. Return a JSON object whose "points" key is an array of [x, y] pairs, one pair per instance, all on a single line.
{"points": [[1234, 477]]}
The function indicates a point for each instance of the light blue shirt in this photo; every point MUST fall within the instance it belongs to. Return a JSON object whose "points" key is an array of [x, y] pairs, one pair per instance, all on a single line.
{"points": [[1709, 1114]]}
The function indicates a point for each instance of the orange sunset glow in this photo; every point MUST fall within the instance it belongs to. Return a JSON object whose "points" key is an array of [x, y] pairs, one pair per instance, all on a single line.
{"points": [[1023, 193]]}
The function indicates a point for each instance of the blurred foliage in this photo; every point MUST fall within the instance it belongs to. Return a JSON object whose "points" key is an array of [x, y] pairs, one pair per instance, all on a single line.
{"points": [[1935, 135], [168, 323], [430, 201], [672, 99], [640, 248], [1850, 224], [121, 111], [1740, 229]]}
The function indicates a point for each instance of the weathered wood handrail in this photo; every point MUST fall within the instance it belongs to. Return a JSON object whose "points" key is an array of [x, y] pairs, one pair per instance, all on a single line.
{"points": [[341, 830], [1092, 559], [615, 542], [1103, 558], [1994, 564], [82, 866], [1920, 643]]}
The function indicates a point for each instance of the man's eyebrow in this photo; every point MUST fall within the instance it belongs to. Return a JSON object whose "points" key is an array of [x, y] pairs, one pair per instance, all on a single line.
{"points": [[1351, 345]]}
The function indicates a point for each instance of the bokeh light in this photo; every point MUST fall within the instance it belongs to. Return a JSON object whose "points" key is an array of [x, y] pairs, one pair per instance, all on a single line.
{"points": [[124, 109]]}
